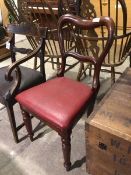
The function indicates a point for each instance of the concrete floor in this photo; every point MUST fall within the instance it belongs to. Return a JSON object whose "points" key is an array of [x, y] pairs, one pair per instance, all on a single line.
{"points": [[44, 155]]}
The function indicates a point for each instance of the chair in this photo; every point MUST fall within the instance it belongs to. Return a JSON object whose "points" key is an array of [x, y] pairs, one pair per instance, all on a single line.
{"points": [[46, 13], [20, 77], [119, 52], [60, 102]]}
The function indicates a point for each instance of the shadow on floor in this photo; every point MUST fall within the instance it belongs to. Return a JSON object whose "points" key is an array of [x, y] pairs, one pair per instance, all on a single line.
{"points": [[78, 163]]}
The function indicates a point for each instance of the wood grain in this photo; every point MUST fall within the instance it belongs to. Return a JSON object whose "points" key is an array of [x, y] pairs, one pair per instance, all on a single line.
{"points": [[108, 131], [4, 12]]}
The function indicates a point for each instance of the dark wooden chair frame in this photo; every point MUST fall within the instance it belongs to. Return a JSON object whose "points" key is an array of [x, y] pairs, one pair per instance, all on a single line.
{"points": [[8, 99]]}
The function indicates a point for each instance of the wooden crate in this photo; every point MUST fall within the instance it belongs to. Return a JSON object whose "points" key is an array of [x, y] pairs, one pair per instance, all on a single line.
{"points": [[108, 131]]}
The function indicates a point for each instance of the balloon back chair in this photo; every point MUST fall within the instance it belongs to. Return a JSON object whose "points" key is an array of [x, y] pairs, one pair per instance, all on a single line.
{"points": [[120, 49], [18, 77], [60, 102]]}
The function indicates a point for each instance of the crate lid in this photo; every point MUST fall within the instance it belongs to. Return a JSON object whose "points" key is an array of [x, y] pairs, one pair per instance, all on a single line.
{"points": [[113, 113]]}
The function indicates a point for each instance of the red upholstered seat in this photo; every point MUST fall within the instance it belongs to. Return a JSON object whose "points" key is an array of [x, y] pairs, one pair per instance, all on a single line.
{"points": [[57, 101]]}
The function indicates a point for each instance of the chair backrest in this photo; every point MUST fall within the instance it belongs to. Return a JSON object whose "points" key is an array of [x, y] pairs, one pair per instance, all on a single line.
{"points": [[118, 11], [77, 28]]}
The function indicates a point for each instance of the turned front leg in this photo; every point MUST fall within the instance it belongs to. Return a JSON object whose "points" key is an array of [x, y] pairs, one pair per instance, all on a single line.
{"points": [[28, 124], [66, 147]]}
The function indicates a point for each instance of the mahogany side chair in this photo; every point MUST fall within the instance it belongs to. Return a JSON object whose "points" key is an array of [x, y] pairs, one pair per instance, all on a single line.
{"points": [[19, 77], [60, 102]]}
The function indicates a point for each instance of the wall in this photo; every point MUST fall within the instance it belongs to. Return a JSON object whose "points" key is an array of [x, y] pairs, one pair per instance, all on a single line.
{"points": [[105, 10], [4, 12]]}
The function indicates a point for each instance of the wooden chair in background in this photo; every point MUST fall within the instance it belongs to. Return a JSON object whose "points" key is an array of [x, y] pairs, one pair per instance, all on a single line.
{"points": [[60, 102], [19, 78], [120, 49], [46, 13]]}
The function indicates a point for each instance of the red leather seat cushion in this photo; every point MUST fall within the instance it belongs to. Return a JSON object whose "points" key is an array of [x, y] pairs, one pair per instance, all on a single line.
{"points": [[57, 101]]}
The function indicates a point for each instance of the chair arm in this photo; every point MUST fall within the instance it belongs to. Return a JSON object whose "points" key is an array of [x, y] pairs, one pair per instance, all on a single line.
{"points": [[14, 65], [81, 57]]}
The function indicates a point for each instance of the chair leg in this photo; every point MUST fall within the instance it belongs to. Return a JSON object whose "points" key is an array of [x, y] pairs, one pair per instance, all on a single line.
{"points": [[112, 75], [35, 63], [90, 69], [80, 71], [91, 105], [52, 61], [66, 147], [12, 121], [28, 124], [130, 59]]}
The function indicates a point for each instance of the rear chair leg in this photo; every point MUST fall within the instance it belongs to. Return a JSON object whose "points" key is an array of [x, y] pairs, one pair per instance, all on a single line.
{"points": [[35, 63], [80, 71], [130, 59], [112, 75], [90, 69], [91, 105]]}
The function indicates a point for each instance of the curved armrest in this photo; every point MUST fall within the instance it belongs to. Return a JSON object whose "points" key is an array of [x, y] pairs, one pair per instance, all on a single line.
{"points": [[81, 57], [14, 65], [26, 29]]}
